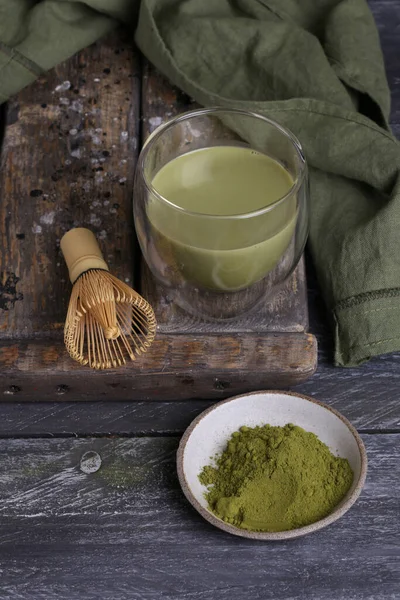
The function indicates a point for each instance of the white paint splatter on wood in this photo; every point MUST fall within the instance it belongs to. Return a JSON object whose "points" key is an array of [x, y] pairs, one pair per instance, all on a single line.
{"points": [[154, 122], [63, 87], [95, 220], [77, 106], [48, 218]]}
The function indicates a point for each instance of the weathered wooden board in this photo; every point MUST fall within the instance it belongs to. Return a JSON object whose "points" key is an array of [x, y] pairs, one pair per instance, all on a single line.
{"points": [[202, 366], [126, 531], [368, 396], [286, 312], [371, 403], [68, 158], [68, 535], [95, 84]]}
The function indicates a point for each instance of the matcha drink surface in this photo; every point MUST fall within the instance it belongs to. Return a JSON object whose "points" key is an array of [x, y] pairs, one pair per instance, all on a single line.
{"points": [[223, 254], [223, 180]]}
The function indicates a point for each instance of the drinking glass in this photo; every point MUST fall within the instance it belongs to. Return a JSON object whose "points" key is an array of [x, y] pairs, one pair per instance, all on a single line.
{"points": [[220, 266]]}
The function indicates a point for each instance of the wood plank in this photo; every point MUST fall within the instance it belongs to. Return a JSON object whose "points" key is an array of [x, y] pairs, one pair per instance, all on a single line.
{"points": [[186, 369], [86, 419], [178, 367], [160, 101], [368, 396], [68, 159], [126, 531], [286, 312], [175, 368], [371, 380]]}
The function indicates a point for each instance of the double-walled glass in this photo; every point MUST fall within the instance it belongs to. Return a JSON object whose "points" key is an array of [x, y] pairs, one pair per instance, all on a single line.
{"points": [[220, 266]]}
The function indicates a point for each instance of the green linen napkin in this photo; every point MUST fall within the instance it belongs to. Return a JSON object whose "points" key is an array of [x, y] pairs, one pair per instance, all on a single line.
{"points": [[313, 65]]}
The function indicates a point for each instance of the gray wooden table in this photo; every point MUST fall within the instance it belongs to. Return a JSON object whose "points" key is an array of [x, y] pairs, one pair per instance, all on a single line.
{"points": [[126, 531]]}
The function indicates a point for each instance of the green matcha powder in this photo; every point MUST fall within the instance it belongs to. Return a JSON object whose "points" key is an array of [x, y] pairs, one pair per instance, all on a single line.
{"points": [[275, 479]]}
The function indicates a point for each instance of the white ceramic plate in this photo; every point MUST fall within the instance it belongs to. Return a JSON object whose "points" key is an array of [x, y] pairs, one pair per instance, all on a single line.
{"points": [[210, 431]]}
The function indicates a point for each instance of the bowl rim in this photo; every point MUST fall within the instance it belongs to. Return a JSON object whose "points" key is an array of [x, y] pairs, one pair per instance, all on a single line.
{"points": [[338, 512]]}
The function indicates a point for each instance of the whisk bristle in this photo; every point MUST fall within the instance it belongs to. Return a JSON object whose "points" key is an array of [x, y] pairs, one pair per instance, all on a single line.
{"points": [[107, 322]]}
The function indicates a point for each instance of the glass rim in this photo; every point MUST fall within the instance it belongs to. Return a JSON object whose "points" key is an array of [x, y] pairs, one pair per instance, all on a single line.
{"points": [[157, 133]]}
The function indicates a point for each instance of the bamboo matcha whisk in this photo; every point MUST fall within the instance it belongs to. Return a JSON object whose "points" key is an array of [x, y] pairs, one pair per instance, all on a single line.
{"points": [[107, 322]]}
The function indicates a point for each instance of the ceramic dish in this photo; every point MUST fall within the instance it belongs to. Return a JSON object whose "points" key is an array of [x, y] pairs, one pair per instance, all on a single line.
{"points": [[210, 431]]}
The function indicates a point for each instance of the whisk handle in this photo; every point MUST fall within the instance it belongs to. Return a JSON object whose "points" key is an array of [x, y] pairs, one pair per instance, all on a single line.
{"points": [[81, 252]]}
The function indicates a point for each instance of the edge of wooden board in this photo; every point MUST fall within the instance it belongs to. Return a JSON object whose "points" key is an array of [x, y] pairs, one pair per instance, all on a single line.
{"points": [[177, 367]]}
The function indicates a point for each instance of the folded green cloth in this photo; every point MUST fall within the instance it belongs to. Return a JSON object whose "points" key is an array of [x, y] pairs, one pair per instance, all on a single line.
{"points": [[313, 65]]}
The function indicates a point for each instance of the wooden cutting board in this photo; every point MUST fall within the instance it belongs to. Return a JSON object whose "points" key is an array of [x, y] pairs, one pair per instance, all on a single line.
{"points": [[70, 146]]}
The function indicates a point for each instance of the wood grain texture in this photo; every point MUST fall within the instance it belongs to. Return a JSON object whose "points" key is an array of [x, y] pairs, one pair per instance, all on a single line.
{"points": [[126, 531], [160, 100], [68, 158], [178, 367], [286, 312], [75, 134], [367, 395], [370, 406]]}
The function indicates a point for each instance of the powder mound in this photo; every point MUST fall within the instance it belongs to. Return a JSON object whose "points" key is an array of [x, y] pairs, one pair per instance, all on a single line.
{"points": [[275, 479]]}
